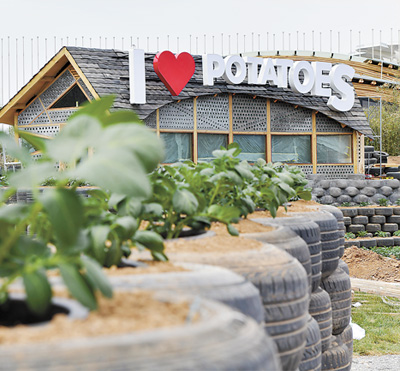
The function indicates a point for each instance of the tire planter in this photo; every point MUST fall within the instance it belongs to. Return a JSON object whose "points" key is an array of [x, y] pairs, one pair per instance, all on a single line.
{"points": [[309, 232], [211, 282], [337, 213], [221, 339], [330, 239], [337, 357], [288, 241], [311, 360], [338, 286], [343, 265], [284, 289], [347, 338], [321, 310]]}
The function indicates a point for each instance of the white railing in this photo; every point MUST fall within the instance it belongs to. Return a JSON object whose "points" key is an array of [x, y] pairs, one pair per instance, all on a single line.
{"points": [[21, 58]]}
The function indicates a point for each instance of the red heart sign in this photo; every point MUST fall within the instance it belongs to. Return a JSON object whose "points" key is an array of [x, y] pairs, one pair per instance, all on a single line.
{"points": [[175, 71]]}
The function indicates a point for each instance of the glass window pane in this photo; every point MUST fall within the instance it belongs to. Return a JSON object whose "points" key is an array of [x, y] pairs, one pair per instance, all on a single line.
{"points": [[178, 146], [334, 149], [252, 146], [207, 143], [291, 148]]}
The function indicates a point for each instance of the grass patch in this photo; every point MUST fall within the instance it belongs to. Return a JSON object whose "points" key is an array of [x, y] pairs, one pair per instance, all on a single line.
{"points": [[380, 318]]}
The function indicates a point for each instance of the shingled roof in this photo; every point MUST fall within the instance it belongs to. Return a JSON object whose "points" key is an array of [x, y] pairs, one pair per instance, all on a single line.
{"points": [[108, 72]]}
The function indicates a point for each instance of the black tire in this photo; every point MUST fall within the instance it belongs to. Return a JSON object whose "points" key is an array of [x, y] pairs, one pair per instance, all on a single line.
{"points": [[367, 243], [390, 169], [370, 161], [338, 286], [329, 244], [341, 251], [289, 241], [336, 358], [336, 212], [283, 285], [320, 309], [347, 338], [309, 232], [221, 339], [349, 211], [211, 282], [369, 149], [344, 266], [375, 171], [311, 360], [377, 155]]}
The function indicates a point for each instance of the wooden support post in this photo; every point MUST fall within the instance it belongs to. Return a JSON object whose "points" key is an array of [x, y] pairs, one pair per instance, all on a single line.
{"points": [[268, 144], [16, 136], [355, 152], [230, 136], [314, 142]]}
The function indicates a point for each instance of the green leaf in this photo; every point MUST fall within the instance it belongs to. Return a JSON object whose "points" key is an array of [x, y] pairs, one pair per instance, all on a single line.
{"points": [[99, 235], [77, 285], [244, 171], [98, 108], [234, 177], [118, 171], [38, 291], [232, 230], [128, 226], [118, 117], [14, 150], [38, 143], [73, 142], [151, 240], [14, 213], [65, 211], [96, 276], [34, 175], [305, 195], [25, 247], [153, 209], [223, 213], [184, 202]]}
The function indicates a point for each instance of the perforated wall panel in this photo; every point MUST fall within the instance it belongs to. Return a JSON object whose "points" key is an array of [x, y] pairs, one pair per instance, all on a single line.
{"points": [[32, 111], [335, 171], [54, 91], [41, 119], [307, 169], [326, 124], [249, 114], [60, 115], [48, 130], [213, 113], [85, 89], [151, 120], [285, 118], [177, 116]]}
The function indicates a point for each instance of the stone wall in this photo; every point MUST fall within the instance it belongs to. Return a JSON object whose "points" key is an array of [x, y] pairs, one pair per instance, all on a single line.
{"points": [[354, 190]]}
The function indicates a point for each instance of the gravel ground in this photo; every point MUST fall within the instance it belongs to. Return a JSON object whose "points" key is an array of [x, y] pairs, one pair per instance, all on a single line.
{"points": [[384, 363]]}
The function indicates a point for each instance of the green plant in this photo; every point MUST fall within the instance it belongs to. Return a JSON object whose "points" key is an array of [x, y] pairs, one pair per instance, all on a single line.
{"points": [[397, 202], [381, 234], [396, 233], [365, 203], [65, 231], [383, 202], [390, 120], [362, 233], [345, 204], [349, 235], [387, 251]]}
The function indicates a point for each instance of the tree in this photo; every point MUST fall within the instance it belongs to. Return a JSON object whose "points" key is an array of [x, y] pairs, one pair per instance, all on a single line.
{"points": [[390, 123]]}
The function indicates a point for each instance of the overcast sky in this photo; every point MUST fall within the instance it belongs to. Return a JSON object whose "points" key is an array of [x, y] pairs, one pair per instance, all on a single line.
{"points": [[93, 18]]}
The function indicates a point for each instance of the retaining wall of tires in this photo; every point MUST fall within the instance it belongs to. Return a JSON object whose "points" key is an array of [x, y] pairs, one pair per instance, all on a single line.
{"points": [[370, 221], [354, 190]]}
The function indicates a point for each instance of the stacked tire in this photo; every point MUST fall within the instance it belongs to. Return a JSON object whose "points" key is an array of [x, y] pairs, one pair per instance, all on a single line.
{"points": [[330, 301]]}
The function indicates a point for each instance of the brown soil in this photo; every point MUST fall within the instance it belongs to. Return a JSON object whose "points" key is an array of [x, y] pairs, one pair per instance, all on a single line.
{"points": [[126, 312], [293, 207], [222, 242], [371, 266], [394, 160], [152, 267]]}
